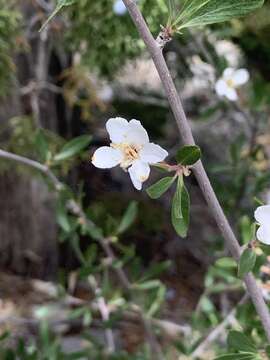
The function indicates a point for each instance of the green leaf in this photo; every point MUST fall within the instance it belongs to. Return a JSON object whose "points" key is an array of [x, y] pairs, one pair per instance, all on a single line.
{"points": [[246, 229], [226, 263], [73, 147], [246, 356], [188, 155], [147, 285], [62, 218], [205, 12], [240, 342], [181, 224], [59, 6], [247, 262], [206, 305], [92, 230], [128, 218], [171, 10], [159, 188], [177, 200], [159, 300], [42, 145]]}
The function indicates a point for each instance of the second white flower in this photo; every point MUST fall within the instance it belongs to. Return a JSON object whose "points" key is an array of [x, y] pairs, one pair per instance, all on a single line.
{"points": [[229, 83]]}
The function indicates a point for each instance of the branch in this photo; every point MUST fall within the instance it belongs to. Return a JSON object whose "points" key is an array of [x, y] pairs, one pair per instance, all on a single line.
{"points": [[199, 171], [213, 335], [156, 351], [105, 314], [33, 164]]}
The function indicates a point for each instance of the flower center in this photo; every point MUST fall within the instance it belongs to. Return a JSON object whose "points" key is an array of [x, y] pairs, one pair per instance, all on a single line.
{"points": [[130, 153], [230, 83]]}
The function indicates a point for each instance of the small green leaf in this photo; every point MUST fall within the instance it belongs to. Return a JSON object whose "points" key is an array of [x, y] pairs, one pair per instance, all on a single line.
{"points": [[181, 225], [188, 155], [42, 145], [76, 313], [240, 342], [147, 285], [206, 305], [246, 356], [59, 6], [247, 262], [159, 188], [246, 229], [205, 12], [62, 218], [226, 263], [92, 230], [73, 147], [177, 201], [128, 218], [258, 201], [158, 301]]}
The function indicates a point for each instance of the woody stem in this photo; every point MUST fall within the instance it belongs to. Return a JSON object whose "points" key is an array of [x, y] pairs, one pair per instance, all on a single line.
{"points": [[199, 171]]}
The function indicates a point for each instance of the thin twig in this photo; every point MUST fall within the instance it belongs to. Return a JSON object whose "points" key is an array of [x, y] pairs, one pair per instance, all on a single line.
{"points": [[105, 314], [199, 171], [156, 351], [33, 164], [216, 332]]}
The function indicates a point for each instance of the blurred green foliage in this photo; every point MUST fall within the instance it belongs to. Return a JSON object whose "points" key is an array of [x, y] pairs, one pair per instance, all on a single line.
{"points": [[107, 40], [9, 29]]}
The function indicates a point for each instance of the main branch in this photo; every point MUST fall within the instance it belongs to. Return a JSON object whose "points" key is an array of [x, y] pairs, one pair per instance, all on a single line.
{"points": [[199, 171]]}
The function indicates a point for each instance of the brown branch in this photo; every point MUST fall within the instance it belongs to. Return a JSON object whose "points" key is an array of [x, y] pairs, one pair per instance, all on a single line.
{"points": [[33, 164], [199, 171]]}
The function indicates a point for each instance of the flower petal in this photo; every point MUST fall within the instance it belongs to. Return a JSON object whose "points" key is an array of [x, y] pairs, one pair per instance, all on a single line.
{"points": [[262, 214], [117, 129], [136, 134], [263, 234], [221, 87], [228, 73], [139, 172], [106, 157], [240, 77], [152, 153], [231, 94], [119, 7]]}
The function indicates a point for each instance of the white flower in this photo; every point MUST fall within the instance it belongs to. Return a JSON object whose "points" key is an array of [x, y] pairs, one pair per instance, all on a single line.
{"points": [[119, 7], [130, 148], [230, 81], [262, 216]]}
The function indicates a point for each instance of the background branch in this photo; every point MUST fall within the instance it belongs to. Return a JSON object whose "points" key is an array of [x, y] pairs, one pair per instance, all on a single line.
{"points": [[217, 331]]}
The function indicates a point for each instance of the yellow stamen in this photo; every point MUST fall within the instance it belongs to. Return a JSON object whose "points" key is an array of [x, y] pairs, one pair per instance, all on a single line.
{"points": [[230, 83], [130, 153]]}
